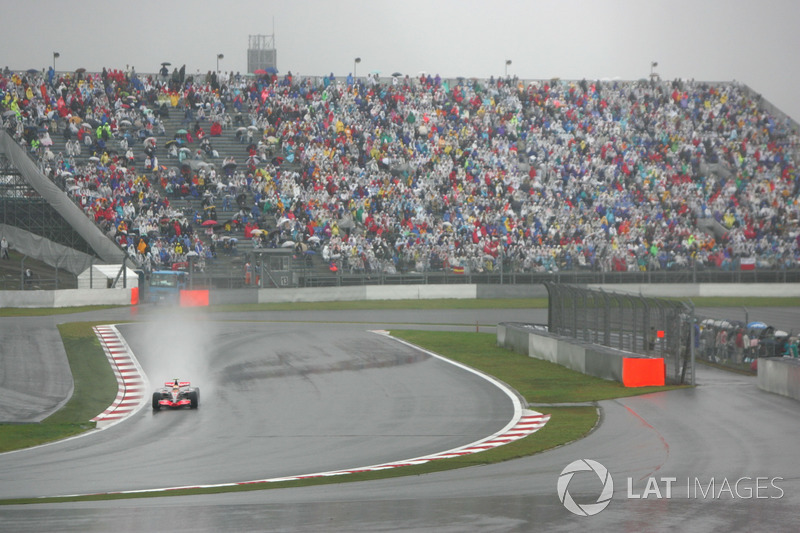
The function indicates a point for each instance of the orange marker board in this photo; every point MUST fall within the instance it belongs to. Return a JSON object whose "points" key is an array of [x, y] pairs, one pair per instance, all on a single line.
{"points": [[194, 298], [642, 372]]}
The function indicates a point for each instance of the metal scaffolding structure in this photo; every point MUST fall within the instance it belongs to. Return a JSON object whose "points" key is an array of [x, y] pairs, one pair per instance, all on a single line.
{"points": [[21, 206], [261, 53]]}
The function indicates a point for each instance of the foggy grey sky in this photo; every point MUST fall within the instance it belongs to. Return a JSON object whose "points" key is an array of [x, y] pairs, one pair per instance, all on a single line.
{"points": [[710, 40]]}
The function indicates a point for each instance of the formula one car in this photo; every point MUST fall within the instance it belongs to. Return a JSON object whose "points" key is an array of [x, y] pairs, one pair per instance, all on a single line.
{"points": [[176, 393]]}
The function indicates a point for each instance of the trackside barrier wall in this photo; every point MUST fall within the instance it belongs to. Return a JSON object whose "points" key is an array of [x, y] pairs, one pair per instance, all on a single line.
{"points": [[233, 296], [629, 369], [68, 297], [703, 290], [511, 291], [779, 376], [74, 297]]}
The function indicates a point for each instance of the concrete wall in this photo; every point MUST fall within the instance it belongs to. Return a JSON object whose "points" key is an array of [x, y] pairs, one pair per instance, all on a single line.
{"points": [[536, 290], [320, 294], [572, 356], [512, 338], [233, 296], [598, 361], [604, 363], [414, 292], [688, 290], [780, 376], [65, 298], [420, 292], [543, 347]]}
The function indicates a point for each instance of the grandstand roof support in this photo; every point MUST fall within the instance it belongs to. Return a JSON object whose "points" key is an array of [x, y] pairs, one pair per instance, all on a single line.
{"points": [[108, 250]]}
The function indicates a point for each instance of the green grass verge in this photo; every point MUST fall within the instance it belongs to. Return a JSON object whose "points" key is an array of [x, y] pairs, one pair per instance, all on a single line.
{"points": [[95, 388], [538, 381], [48, 311]]}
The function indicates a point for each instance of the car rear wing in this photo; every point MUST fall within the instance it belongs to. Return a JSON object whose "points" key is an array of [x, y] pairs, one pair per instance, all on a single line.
{"points": [[180, 383]]}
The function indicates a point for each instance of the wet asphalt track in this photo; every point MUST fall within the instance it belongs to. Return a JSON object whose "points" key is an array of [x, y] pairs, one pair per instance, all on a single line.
{"points": [[725, 428]]}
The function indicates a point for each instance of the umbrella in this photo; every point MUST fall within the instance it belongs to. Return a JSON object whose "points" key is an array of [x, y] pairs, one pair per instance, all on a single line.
{"points": [[209, 223], [259, 72], [170, 142], [281, 221], [94, 158], [287, 244], [124, 122], [258, 231], [185, 149], [757, 325], [209, 206], [150, 140], [272, 140], [254, 128], [166, 64], [80, 70], [181, 132], [33, 71], [397, 73], [271, 70], [229, 165], [192, 254], [277, 160]]}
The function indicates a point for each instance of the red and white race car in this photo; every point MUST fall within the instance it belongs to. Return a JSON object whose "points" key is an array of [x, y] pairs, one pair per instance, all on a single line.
{"points": [[176, 393]]}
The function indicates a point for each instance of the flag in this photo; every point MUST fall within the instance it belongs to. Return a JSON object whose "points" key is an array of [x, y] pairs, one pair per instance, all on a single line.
{"points": [[747, 263]]}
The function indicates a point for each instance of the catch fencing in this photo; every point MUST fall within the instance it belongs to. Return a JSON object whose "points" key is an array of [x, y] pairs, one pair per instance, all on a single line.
{"points": [[652, 327]]}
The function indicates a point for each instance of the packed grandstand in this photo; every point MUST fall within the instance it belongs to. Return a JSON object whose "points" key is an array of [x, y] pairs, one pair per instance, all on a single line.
{"points": [[418, 173]]}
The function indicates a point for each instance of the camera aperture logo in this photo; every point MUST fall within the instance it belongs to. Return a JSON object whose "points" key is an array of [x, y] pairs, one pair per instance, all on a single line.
{"points": [[713, 488], [586, 509]]}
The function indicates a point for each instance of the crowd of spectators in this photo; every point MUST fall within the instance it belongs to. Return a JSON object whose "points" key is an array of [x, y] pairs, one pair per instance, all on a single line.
{"points": [[424, 173], [112, 118]]}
